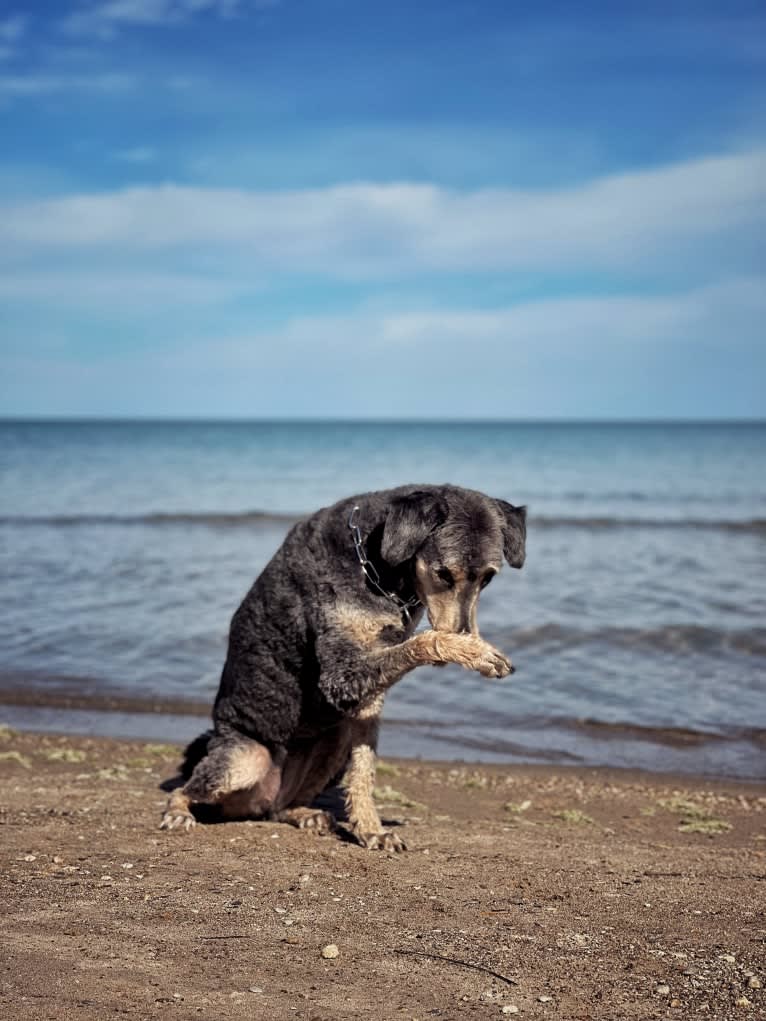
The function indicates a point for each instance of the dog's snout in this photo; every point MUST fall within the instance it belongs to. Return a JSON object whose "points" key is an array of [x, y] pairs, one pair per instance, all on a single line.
{"points": [[454, 620], [464, 621]]}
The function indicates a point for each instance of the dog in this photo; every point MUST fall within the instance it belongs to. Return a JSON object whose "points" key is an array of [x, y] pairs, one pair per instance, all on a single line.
{"points": [[326, 629]]}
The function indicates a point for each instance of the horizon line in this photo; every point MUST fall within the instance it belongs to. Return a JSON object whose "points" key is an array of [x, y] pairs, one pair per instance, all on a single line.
{"points": [[373, 420]]}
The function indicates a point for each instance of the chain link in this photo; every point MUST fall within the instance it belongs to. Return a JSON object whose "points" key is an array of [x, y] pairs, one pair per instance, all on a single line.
{"points": [[371, 573]]}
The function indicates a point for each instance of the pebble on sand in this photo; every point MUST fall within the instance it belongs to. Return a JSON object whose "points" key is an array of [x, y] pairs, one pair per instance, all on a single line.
{"points": [[330, 952]]}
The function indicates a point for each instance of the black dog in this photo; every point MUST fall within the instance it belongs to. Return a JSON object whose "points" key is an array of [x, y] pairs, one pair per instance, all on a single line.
{"points": [[325, 631]]}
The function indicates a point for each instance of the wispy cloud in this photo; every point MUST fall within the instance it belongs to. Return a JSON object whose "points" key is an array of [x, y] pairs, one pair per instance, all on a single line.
{"points": [[681, 354], [12, 30], [137, 154], [98, 290], [620, 221], [542, 329], [32, 85], [105, 20]]}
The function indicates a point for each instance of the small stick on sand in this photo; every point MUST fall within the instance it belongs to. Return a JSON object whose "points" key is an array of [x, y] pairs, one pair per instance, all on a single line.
{"points": [[463, 964]]}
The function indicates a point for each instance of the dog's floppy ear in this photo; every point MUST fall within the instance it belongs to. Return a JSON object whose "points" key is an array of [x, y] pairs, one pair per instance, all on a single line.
{"points": [[514, 532], [409, 522]]}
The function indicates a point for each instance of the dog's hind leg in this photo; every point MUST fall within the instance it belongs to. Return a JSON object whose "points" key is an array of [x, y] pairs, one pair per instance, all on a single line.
{"points": [[307, 771], [177, 814], [234, 765]]}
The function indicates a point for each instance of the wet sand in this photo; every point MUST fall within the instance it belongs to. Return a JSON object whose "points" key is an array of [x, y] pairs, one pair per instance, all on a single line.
{"points": [[539, 892]]}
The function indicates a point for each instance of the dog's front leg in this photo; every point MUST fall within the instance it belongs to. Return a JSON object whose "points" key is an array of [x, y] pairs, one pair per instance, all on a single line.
{"points": [[356, 663], [352, 675], [359, 783]]}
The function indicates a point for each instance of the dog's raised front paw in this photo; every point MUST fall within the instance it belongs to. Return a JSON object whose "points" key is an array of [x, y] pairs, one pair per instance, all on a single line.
{"points": [[471, 652], [491, 662], [176, 819], [385, 840]]}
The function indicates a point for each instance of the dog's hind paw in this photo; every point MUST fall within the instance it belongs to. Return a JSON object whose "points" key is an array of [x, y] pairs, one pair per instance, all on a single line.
{"points": [[177, 820], [314, 819], [383, 841], [319, 822]]}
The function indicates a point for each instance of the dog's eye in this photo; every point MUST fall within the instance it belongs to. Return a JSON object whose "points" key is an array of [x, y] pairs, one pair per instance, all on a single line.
{"points": [[487, 578], [446, 576]]}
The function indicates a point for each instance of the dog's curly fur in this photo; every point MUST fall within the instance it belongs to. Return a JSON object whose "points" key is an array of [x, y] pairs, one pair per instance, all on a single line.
{"points": [[314, 647]]}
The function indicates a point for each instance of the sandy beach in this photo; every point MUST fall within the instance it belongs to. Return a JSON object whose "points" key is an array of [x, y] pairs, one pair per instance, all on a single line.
{"points": [[532, 891]]}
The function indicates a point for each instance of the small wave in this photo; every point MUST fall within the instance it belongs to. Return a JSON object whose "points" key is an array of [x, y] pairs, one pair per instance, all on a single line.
{"points": [[755, 526], [604, 730], [210, 519], [74, 693], [676, 736], [674, 638], [250, 518]]}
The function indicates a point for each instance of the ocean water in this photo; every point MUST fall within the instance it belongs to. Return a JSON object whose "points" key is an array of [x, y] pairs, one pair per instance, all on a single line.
{"points": [[637, 627]]}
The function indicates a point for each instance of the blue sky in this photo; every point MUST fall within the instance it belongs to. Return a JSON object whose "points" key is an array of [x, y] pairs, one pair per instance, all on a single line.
{"points": [[259, 208]]}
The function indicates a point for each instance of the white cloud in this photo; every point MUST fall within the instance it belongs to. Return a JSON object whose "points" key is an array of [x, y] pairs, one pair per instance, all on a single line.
{"points": [[626, 220], [729, 312], [686, 354], [690, 353], [11, 31], [106, 19], [101, 291], [13, 28], [137, 154], [19, 86]]}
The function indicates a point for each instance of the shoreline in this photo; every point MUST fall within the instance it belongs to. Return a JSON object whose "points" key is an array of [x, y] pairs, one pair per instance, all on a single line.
{"points": [[565, 892], [577, 771], [588, 743]]}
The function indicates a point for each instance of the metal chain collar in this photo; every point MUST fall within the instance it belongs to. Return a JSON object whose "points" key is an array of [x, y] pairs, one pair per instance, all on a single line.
{"points": [[371, 574]]}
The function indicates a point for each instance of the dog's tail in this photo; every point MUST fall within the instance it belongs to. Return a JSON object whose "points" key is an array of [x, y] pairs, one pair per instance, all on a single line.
{"points": [[195, 752]]}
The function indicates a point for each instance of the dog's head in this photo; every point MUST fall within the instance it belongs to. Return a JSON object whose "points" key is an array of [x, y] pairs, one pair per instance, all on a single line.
{"points": [[457, 540]]}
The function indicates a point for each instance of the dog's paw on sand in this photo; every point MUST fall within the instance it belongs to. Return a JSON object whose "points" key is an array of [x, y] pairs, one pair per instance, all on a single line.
{"points": [[383, 841], [314, 819], [177, 820], [319, 822]]}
